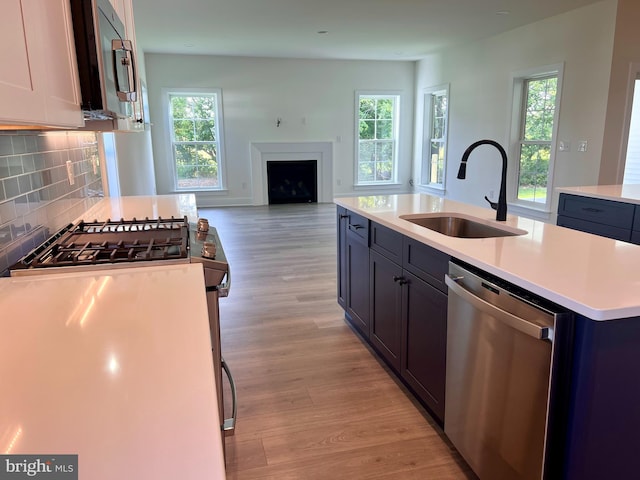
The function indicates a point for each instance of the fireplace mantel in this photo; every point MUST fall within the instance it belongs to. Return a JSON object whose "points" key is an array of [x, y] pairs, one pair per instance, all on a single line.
{"points": [[261, 153]]}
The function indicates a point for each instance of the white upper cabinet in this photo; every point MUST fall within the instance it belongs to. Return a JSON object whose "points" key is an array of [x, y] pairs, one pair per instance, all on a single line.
{"points": [[39, 83]]}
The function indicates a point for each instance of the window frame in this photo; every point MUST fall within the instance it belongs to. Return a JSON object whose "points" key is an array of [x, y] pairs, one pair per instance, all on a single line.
{"points": [[428, 137], [519, 82], [633, 90], [220, 153], [396, 136]]}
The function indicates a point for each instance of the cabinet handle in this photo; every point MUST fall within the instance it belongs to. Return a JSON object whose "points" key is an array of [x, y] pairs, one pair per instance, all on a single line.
{"points": [[400, 280], [357, 227], [592, 210], [344, 216], [128, 61]]}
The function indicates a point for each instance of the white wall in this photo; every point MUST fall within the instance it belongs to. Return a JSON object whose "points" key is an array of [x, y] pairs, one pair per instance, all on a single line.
{"points": [[314, 98], [479, 75], [626, 51]]}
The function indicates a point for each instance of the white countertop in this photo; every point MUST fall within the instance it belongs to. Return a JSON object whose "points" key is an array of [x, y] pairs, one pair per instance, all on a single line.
{"points": [[618, 193], [594, 276], [113, 366], [152, 206]]}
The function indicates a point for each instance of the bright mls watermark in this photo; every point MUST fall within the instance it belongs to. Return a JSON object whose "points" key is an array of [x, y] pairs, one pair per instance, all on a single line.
{"points": [[50, 467]]}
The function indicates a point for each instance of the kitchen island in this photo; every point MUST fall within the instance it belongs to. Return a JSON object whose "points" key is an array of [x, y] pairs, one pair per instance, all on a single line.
{"points": [[113, 365], [596, 277], [612, 211], [593, 423]]}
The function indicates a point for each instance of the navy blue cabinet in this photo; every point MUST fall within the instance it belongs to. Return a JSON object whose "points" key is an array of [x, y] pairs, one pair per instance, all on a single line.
{"points": [[603, 419], [598, 216], [353, 268], [635, 233], [408, 312], [386, 293]]}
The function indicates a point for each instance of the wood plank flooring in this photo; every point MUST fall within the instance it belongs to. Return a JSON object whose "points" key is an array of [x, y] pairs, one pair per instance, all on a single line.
{"points": [[314, 402]]}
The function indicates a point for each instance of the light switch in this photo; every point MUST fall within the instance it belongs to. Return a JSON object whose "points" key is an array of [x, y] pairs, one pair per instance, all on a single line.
{"points": [[582, 146]]}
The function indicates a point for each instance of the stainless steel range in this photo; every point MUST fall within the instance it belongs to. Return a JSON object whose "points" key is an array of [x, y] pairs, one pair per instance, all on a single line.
{"points": [[138, 243]]}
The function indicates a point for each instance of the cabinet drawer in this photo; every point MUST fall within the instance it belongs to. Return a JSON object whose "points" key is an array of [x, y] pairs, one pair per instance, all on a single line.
{"points": [[358, 225], [387, 242], [425, 262], [595, 228], [597, 210], [635, 237]]}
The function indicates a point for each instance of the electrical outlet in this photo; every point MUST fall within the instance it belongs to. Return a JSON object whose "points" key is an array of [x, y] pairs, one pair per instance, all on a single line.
{"points": [[564, 146], [72, 178]]}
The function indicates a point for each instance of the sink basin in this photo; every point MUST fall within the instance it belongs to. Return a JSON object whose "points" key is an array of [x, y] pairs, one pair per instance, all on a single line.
{"points": [[462, 226]]}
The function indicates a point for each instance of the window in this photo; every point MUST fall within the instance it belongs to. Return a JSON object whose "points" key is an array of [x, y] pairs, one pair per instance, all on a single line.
{"points": [[538, 98], [196, 140], [434, 148], [377, 148], [632, 163]]}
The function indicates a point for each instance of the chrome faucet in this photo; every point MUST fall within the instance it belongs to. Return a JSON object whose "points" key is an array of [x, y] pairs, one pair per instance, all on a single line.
{"points": [[501, 206]]}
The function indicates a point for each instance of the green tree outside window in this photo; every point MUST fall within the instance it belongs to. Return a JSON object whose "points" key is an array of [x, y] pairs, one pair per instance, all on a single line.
{"points": [[195, 141]]}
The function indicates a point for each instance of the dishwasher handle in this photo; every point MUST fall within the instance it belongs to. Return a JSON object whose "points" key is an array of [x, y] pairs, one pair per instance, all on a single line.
{"points": [[513, 321]]}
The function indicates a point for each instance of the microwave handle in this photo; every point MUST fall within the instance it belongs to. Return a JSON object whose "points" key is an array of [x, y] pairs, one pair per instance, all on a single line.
{"points": [[127, 46]]}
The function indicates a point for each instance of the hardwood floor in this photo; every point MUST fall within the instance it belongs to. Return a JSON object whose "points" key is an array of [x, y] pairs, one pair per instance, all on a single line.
{"points": [[314, 402]]}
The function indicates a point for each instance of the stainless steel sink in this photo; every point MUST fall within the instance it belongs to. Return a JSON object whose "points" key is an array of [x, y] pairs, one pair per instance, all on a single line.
{"points": [[462, 226]]}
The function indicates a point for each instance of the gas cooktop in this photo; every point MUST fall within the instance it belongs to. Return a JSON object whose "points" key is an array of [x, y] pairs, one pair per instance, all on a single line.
{"points": [[111, 242]]}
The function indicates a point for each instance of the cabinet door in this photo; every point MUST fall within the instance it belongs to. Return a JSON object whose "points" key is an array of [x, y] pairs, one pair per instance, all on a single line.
{"points": [[342, 218], [39, 80], [22, 74], [386, 307], [62, 100], [426, 262], [357, 261], [424, 341]]}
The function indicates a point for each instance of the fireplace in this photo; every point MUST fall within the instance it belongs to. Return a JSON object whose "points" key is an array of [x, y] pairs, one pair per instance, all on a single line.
{"points": [[321, 153], [293, 181]]}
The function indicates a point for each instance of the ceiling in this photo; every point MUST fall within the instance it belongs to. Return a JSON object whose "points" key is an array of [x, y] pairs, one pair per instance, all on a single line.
{"points": [[354, 29]]}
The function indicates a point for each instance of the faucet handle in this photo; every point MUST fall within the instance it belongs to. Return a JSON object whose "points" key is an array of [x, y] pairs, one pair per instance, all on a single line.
{"points": [[494, 205]]}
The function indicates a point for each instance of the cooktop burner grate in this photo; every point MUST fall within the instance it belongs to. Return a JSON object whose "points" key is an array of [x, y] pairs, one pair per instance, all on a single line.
{"points": [[91, 243]]}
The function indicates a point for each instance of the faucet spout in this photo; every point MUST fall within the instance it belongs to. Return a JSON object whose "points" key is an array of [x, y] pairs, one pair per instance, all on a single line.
{"points": [[501, 206]]}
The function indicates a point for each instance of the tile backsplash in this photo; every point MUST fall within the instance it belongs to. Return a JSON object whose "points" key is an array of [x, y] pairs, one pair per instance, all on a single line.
{"points": [[37, 197]]}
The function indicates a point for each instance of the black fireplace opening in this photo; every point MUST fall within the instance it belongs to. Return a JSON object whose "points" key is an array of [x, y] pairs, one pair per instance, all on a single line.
{"points": [[292, 181]]}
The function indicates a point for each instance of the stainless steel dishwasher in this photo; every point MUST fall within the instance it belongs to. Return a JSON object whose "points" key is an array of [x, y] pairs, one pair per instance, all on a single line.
{"points": [[499, 350]]}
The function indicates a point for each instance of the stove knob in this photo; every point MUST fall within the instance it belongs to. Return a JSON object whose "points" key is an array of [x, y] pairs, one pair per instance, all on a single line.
{"points": [[203, 225], [209, 250]]}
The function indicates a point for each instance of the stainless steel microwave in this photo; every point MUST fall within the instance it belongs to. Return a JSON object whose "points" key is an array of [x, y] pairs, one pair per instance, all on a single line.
{"points": [[106, 61]]}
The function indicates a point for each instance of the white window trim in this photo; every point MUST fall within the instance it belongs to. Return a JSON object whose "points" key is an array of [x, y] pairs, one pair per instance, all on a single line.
{"points": [[166, 107], [426, 138], [517, 83], [378, 93], [634, 75]]}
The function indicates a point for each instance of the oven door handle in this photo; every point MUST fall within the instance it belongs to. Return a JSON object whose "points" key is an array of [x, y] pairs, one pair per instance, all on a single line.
{"points": [[223, 288], [229, 424]]}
